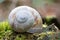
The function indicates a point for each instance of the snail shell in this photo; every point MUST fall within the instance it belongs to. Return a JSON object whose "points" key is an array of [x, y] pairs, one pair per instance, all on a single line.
{"points": [[25, 19]]}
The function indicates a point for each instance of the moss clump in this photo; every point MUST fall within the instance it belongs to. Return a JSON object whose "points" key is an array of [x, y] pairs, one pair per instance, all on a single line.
{"points": [[4, 26], [6, 33]]}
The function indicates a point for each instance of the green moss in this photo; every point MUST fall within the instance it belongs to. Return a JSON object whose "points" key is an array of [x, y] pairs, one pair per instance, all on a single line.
{"points": [[6, 33], [4, 26]]}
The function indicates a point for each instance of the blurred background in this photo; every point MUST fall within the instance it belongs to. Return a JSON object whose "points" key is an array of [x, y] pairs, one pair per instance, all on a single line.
{"points": [[44, 7]]}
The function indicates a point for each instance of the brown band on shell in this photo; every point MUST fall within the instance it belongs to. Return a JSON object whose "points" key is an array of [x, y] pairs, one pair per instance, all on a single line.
{"points": [[36, 21], [14, 16]]}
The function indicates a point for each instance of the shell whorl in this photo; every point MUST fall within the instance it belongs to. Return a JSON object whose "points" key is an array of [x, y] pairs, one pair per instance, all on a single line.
{"points": [[24, 18]]}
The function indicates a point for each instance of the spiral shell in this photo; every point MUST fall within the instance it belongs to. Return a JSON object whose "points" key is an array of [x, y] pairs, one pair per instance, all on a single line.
{"points": [[25, 19]]}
